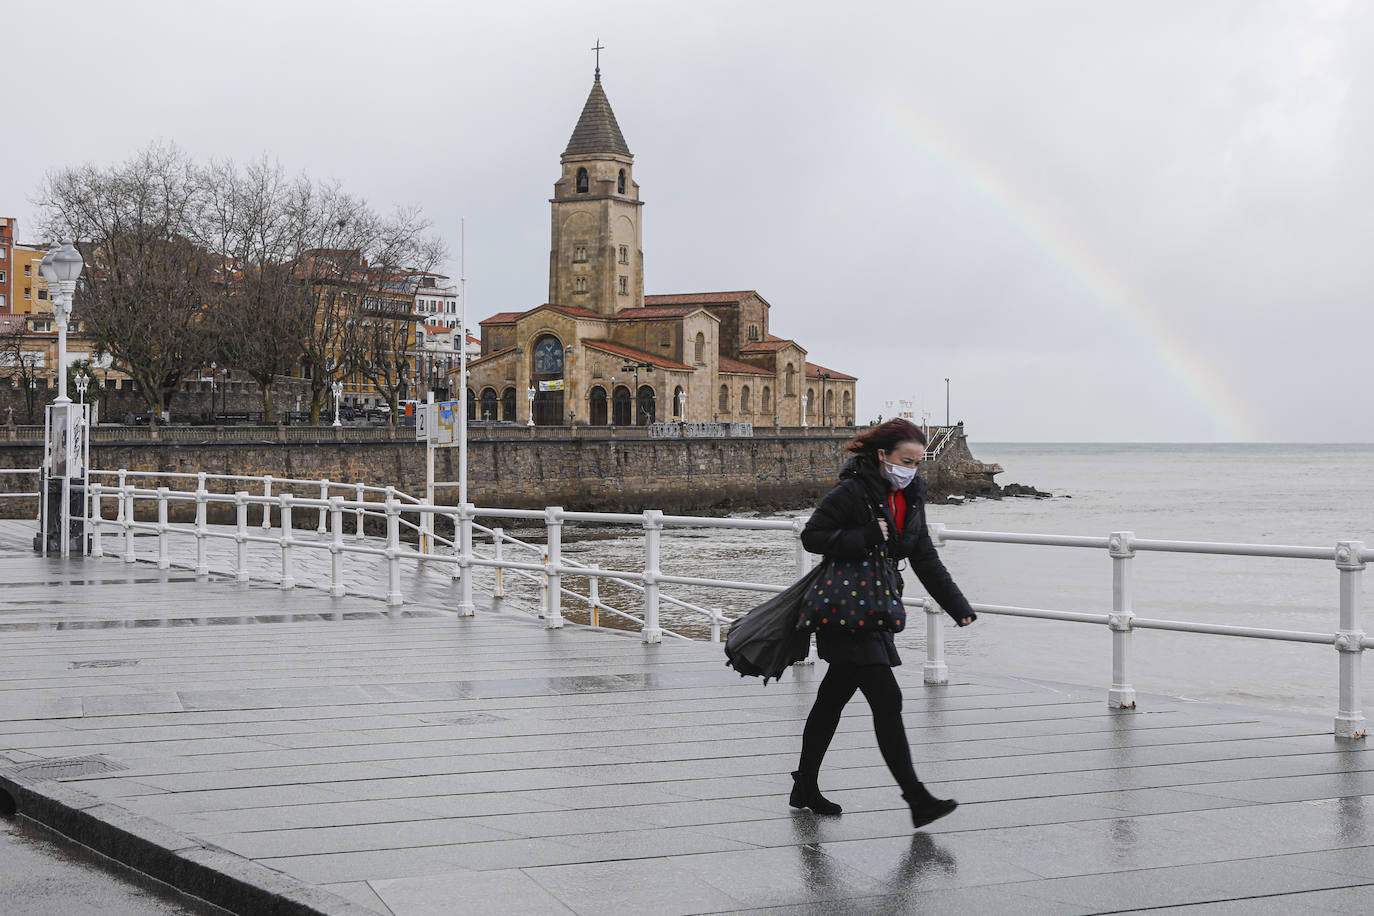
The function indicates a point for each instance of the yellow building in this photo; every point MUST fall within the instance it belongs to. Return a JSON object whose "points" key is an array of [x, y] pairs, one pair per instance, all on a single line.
{"points": [[30, 289]]}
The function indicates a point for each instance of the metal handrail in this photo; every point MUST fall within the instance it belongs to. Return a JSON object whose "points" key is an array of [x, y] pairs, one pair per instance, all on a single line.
{"points": [[1349, 558]]}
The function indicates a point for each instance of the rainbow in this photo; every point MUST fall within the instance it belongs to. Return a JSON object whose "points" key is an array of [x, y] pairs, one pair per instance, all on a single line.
{"points": [[1231, 416]]}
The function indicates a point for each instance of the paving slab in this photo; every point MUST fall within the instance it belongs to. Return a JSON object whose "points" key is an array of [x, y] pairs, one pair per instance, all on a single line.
{"points": [[354, 758]]}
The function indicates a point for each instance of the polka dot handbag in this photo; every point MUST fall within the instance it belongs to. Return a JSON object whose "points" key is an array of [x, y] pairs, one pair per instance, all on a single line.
{"points": [[854, 595]]}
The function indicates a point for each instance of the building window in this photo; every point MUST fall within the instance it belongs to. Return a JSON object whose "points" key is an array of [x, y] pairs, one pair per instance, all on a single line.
{"points": [[2, 276], [701, 349], [724, 398], [580, 254], [753, 332], [598, 406], [42, 294], [791, 377], [27, 294], [28, 270], [677, 402], [548, 356], [744, 406], [811, 403], [508, 405], [624, 254], [620, 183], [489, 404], [624, 286], [580, 285], [667, 339], [766, 399], [582, 182]]}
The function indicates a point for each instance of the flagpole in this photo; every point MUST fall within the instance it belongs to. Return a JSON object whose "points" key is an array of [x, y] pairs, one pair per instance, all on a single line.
{"points": [[463, 364]]}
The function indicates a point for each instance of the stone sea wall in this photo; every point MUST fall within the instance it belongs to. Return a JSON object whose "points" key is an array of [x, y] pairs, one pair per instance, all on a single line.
{"points": [[589, 474]]}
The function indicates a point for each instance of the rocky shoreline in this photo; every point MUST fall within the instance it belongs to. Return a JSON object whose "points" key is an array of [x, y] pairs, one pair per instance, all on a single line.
{"points": [[955, 476]]}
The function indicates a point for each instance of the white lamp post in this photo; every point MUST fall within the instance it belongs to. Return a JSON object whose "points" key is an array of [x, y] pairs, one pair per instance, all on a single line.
{"points": [[682, 406], [83, 381], [804, 400], [338, 393], [529, 394], [61, 267]]}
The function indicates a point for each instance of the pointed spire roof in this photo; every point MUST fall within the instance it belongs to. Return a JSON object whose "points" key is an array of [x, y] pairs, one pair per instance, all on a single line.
{"points": [[597, 130]]}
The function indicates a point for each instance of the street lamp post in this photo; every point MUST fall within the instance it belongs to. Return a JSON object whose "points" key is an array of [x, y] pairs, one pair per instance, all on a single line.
{"points": [[213, 369], [338, 393], [826, 419], [682, 406], [83, 381], [529, 396], [61, 267], [946, 402], [804, 399]]}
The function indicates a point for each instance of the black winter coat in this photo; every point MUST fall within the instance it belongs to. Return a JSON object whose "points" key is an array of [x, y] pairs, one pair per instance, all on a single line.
{"points": [[845, 526]]}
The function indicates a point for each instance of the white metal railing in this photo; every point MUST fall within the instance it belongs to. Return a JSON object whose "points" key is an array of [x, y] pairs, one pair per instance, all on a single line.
{"points": [[8, 473], [548, 566]]}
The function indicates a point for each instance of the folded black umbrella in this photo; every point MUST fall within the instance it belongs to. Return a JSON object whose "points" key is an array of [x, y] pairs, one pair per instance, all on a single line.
{"points": [[766, 640]]}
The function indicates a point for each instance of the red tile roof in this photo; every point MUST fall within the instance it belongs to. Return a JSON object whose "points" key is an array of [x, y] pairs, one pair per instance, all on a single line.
{"points": [[733, 365], [638, 356], [658, 311], [437, 328], [814, 371], [738, 295], [571, 311], [491, 355], [772, 344]]}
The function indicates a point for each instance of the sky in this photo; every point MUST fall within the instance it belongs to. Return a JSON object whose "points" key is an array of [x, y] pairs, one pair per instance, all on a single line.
{"points": [[1129, 221]]}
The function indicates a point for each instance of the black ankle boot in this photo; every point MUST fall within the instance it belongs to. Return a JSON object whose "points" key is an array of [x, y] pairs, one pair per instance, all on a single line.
{"points": [[925, 807], [805, 794]]}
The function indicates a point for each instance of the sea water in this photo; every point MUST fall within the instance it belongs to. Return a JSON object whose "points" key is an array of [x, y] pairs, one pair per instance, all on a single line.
{"points": [[1312, 495]]}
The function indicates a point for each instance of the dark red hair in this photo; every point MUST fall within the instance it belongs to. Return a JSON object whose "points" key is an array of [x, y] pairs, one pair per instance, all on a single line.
{"points": [[885, 437]]}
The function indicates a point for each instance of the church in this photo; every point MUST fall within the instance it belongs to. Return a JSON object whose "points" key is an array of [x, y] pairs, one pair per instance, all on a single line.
{"points": [[602, 353]]}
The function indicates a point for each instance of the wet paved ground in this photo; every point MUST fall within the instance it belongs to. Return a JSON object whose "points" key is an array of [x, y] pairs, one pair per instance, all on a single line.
{"points": [[428, 764]]}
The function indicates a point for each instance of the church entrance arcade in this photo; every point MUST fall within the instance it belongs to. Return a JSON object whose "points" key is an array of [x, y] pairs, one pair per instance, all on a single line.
{"points": [[546, 378]]}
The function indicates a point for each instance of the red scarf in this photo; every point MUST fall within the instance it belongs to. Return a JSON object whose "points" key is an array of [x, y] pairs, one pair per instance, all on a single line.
{"points": [[896, 503]]}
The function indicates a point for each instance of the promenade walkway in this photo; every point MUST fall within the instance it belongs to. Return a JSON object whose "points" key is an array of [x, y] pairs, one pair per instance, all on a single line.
{"points": [[338, 759]]}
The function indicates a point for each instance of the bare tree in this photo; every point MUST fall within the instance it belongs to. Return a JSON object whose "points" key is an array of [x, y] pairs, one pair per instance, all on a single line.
{"points": [[21, 363], [148, 283], [249, 221]]}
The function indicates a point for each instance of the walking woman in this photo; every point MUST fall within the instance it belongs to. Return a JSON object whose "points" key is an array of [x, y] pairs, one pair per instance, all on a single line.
{"points": [[879, 499]]}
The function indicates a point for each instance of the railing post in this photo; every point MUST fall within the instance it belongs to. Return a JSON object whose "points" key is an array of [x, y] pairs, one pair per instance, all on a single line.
{"points": [[1350, 640], [360, 497], [1122, 694], [937, 533], [97, 549], [241, 535], [498, 536], [464, 544], [935, 671], [393, 548], [202, 562], [803, 563], [266, 505], [287, 579], [336, 587], [162, 560], [653, 531], [553, 610], [128, 500], [324, 495], [594, 594]]}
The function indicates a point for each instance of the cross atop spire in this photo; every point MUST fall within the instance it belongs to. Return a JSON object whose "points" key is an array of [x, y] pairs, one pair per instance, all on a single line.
{"points": [[598, 48]]}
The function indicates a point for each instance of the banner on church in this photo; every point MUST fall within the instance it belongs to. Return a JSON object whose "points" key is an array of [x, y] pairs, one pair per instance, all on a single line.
{"points": [[554, 385]]}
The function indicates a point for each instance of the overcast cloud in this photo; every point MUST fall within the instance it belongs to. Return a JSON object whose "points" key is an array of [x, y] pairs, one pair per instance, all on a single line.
{"points": [[1101, 221]]}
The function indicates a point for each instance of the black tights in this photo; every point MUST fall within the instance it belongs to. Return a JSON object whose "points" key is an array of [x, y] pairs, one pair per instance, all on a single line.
{"points": [[879, 686]]}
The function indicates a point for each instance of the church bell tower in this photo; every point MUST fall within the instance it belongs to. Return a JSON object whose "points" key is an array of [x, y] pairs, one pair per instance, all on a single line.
{"points": [[597, 258]]}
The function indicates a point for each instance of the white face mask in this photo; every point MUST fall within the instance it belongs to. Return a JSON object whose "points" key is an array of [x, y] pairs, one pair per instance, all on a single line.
{"points": [[899, 476]]}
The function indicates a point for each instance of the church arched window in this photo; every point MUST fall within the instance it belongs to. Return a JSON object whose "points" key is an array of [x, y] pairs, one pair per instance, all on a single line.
{"points": [[766, 399], [848, 409], [791, 377], [548, 356], [677, 402], [580, 285], [489, 403], [811, 404], [724, 398], [620, 183], [582, 182], [508, 405], [701, 349], [598, 408], [744, 400]]}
